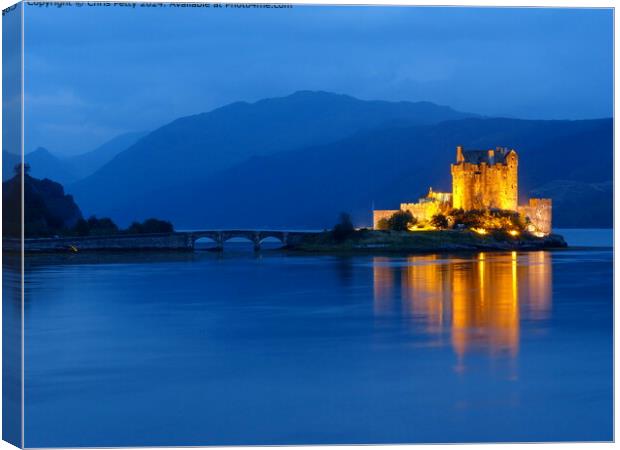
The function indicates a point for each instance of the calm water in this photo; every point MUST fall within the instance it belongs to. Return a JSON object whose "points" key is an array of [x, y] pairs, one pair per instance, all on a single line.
{"points": [[276, 349]]}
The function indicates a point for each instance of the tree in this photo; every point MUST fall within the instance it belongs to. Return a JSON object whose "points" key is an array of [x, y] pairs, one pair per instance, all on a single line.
{"points": [[344, 228], [19, 167], [473, 218], [488, 219], [151, 225], [156, 226], [81, 228], [401, 221], [440, 221], [383, 224], [47, 210], [135, 228], [507, 219], [103, 226], [95, 226]]}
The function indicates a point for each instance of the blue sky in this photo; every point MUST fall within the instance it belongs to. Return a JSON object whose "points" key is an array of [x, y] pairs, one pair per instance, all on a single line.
{"points": [[93, 72], [11, 80]]}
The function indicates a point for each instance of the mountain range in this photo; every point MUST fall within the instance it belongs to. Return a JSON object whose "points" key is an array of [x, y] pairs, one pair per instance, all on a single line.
{"points": [[297, 161], [192, 149], [66, 170]]}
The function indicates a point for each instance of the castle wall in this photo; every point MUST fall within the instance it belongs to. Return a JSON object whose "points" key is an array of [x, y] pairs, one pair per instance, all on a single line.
{"points": [[481, 186], [379, 214], [539, 212], [424, 211]]}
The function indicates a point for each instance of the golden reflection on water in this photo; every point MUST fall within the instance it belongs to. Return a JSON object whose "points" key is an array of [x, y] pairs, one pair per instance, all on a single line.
{"points": [[480, 300]]}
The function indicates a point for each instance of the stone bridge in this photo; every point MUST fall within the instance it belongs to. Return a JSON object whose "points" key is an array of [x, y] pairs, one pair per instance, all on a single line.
{"points": [[256, 236], [177, 240]]}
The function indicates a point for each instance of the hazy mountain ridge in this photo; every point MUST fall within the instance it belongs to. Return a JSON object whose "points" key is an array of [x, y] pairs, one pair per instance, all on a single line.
{"points": [[67, 170], [191, 148], [44, 164], [87, 163], [297, 161], [307, 188]]}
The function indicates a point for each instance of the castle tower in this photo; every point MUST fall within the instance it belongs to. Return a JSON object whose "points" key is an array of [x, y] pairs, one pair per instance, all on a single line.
{"points": [[484, 179]]}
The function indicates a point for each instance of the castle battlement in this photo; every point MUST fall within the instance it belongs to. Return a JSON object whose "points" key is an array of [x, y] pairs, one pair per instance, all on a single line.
{"points": [[485, 179]]}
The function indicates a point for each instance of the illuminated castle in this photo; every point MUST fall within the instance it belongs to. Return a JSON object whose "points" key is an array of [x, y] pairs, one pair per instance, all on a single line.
{"points": [[481, 179], [484, 179]]}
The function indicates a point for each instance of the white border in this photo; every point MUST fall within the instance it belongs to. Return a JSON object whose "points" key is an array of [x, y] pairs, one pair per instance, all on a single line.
{"points": [[476, 3]]}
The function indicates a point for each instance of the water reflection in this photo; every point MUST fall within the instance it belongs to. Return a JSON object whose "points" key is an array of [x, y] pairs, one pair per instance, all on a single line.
{"points": [[480, 301], [452, 348], [12, 348]]}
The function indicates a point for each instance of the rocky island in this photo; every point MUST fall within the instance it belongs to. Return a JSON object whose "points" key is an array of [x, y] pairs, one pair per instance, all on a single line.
{"points": [[481, 213], [367, 240]]}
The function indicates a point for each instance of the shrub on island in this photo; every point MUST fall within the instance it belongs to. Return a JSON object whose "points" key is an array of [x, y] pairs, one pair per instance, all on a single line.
{"points": [[481, 220], [440, 221], [399, 221]]}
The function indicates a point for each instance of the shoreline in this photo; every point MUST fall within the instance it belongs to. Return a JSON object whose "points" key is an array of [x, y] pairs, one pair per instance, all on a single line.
{"points": [[359, 242], [373, 241]]}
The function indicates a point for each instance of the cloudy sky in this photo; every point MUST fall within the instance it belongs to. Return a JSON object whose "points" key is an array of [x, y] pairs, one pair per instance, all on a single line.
{"points": [[93, 72]]}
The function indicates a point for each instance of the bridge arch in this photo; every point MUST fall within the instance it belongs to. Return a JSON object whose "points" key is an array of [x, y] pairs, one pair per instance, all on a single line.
{"points": [[206, 243], [272, 242], [240, 235], [281, 236], [237, 238], [256, 237]]}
